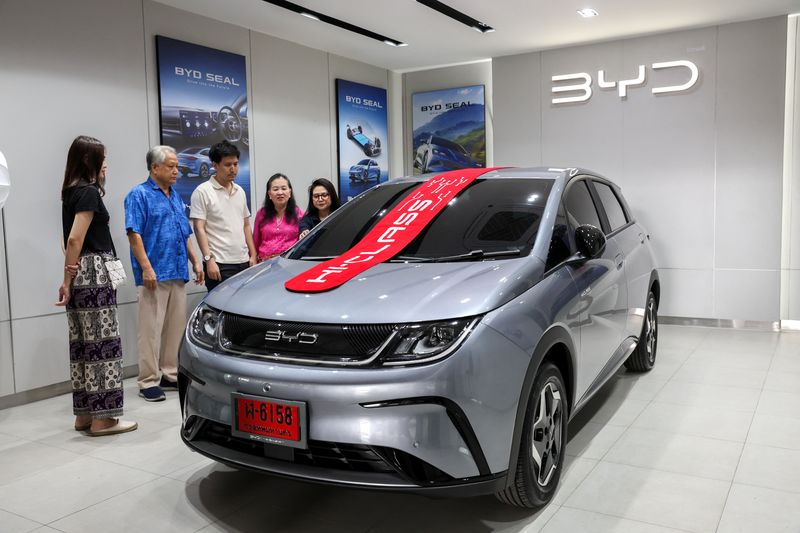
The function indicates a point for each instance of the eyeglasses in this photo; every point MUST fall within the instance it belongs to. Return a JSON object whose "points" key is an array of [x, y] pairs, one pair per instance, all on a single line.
{"points": [[320, 196]]}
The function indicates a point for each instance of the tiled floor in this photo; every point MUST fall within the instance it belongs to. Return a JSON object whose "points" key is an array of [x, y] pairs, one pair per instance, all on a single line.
{"points": [[709, 441]]}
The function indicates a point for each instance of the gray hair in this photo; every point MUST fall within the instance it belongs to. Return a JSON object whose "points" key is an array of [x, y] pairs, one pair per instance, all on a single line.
{"points": [[157, 154]]}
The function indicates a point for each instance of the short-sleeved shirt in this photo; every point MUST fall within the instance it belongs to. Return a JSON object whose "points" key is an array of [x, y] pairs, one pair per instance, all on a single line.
{"points": [[87, 198], [161, 221], [224, 214]]}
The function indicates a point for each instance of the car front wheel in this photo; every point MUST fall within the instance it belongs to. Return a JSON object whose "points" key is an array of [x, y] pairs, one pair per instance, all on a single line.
{"points": [[544, 439], [643, 357], [204, 171]]}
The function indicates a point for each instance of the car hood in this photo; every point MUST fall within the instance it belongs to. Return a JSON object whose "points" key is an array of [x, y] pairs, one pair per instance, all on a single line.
{"points": [[386, 293]]}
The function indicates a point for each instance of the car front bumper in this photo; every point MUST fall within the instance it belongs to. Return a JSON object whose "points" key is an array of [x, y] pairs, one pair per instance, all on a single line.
{"points": [[445, 427]]}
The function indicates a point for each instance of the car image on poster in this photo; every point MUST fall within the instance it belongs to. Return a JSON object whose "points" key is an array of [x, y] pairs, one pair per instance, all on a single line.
{"points": [[362, 131]]}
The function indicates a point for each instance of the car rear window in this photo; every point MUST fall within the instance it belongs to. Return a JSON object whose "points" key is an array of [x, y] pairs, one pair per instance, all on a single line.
{"points": [[491, 215]]}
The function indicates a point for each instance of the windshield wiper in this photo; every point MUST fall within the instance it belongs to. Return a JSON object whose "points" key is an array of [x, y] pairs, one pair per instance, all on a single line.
{"points": [[474, 254], [317, 257]]}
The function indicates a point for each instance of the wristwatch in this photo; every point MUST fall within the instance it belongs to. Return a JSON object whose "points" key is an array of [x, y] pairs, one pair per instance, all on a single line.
{"points": [[208, 257]]}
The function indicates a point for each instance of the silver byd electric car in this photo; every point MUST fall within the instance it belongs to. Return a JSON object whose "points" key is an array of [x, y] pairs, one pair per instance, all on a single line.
{"points": [[453, 367]]}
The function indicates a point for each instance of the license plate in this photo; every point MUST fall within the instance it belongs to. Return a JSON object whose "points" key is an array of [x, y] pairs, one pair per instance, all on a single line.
{"points": [[269, 420]]}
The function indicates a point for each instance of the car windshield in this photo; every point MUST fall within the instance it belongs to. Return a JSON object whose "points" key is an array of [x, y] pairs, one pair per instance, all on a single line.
{"points": [[444, 143], [491, 219], [192, 150], [363, 162]]}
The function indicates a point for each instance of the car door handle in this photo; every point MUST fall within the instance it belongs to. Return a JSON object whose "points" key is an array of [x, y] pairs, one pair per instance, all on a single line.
{"points": [[618, 260]]}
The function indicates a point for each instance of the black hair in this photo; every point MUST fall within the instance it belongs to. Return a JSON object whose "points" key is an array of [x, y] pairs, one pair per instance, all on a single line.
{"points": [[322, 182], [84, 163], [221, 150], [269, 207]]}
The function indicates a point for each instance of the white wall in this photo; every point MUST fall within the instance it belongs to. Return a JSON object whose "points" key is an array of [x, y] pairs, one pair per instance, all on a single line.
{"points": [[701, 169], [88, 67]]}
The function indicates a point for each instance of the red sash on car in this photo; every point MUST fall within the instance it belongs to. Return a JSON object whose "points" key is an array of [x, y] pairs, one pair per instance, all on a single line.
{"points": [[390, 235]]}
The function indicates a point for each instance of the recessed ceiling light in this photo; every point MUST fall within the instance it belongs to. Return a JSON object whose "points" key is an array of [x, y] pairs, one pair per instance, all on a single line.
{"points": [[587, 13], [322, 17], [455, 14]]}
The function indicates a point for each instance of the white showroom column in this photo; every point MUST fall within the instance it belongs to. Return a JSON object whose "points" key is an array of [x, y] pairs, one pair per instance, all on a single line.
{"points": [[790, 246]]}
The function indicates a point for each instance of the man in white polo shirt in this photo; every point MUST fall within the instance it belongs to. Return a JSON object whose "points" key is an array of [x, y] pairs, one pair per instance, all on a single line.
{"points": [[221, 219]]}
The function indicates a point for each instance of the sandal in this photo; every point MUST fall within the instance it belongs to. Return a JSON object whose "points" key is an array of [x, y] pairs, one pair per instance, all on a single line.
{"points": [[122, 426]]}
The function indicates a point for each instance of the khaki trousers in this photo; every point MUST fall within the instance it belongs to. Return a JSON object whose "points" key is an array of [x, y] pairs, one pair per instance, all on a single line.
{"points": [[162, 321]]}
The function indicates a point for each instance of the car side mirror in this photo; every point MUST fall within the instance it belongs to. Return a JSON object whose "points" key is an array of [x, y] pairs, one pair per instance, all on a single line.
{"points": [[590, 241]]}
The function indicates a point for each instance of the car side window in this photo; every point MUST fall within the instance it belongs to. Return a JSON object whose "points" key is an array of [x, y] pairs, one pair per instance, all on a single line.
{"points": [[614, 211], [580, 206]]}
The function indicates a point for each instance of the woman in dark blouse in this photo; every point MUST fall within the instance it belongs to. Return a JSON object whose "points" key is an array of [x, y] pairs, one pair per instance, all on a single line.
{"points": [[94, 345], [322, 201]]}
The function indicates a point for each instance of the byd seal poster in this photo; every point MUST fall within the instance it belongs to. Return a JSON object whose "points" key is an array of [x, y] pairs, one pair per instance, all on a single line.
{"points": [[203, 100], [363, 129], [449, 130]]}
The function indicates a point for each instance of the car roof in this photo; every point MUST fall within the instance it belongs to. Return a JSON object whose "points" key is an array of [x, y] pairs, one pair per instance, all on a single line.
{"points": [[563, 173]]}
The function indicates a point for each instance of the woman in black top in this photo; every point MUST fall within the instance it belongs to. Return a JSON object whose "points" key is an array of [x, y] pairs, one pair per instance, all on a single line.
{"points": [[95, 348], [322, 201]]}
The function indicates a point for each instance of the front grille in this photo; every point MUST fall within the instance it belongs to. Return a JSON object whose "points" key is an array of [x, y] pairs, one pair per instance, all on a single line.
{"points": [[329, 455], [322, 342]]}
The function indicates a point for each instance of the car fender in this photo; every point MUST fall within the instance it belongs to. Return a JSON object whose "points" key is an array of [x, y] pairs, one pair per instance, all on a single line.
{"points": [[556, 334]]}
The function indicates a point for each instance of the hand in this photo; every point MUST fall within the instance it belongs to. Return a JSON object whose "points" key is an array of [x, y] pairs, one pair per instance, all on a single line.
{"points": [[149, 278], [303, 233], [253, 260], [213, 270], [63, 295], [72, 270], [198, 273]]}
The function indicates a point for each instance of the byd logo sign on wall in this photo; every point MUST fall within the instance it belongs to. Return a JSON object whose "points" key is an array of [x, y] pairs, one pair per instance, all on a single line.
{"points": [[585, 87]]}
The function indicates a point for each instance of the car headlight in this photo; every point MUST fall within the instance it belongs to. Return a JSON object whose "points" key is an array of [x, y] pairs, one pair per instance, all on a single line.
{"points": [[203, 325], [423, 343]]}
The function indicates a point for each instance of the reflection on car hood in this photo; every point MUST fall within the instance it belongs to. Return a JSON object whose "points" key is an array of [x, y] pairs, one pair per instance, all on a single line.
{"points": [[386, 293]]}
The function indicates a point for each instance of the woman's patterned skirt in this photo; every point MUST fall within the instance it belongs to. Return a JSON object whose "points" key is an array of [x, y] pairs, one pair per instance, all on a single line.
{"points": [[95, 348]]}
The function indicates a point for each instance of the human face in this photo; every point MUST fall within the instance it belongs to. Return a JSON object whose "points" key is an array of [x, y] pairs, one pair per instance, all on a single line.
{"points": [[279, 193], [101, 176], [227, 169], [321, 199], [166, 173]]}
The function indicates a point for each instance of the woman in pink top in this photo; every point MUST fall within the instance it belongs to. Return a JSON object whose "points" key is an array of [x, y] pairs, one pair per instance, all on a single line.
{"points": [[277, 224]]}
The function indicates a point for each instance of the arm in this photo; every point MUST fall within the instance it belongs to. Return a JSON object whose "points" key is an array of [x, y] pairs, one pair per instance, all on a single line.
{"points": [[196, 265], [202, 241], [251, 246], [77, 234], [257, 230], [137, 247]]}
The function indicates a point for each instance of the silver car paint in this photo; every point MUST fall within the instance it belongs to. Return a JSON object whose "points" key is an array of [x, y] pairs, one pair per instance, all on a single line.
{"points": [[484, 376]]}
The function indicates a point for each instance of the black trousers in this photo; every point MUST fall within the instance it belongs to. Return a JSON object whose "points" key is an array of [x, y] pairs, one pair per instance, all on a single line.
{"points": [[226, 271]]}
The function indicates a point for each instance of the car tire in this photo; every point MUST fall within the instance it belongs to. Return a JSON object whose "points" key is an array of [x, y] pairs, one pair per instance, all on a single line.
{"points": [[365, 176], [643, 357], [543, 442], [204, 171]]}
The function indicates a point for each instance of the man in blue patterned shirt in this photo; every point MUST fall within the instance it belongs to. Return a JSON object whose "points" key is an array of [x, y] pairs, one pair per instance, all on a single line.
{"points": [[161, 248]]}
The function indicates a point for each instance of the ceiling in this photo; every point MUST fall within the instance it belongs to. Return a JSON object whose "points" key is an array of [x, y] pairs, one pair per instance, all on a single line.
{"points": [[435, 40]]}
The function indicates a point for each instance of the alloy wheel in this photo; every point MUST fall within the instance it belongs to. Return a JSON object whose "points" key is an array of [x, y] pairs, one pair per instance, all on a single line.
{"points": [[547, 429], [650, 327]]}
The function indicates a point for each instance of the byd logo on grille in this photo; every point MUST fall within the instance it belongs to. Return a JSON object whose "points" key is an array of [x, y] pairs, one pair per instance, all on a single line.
{"points": [[279, 335], [585, 87]]}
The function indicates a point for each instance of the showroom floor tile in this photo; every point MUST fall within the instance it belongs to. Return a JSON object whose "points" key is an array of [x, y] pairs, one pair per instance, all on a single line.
{"points": [[709, 441]]}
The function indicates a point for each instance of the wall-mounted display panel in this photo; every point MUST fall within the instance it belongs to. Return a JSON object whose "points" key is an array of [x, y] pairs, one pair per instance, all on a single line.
{"points": [[202, 100], [362, 134], [449, 129]]}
